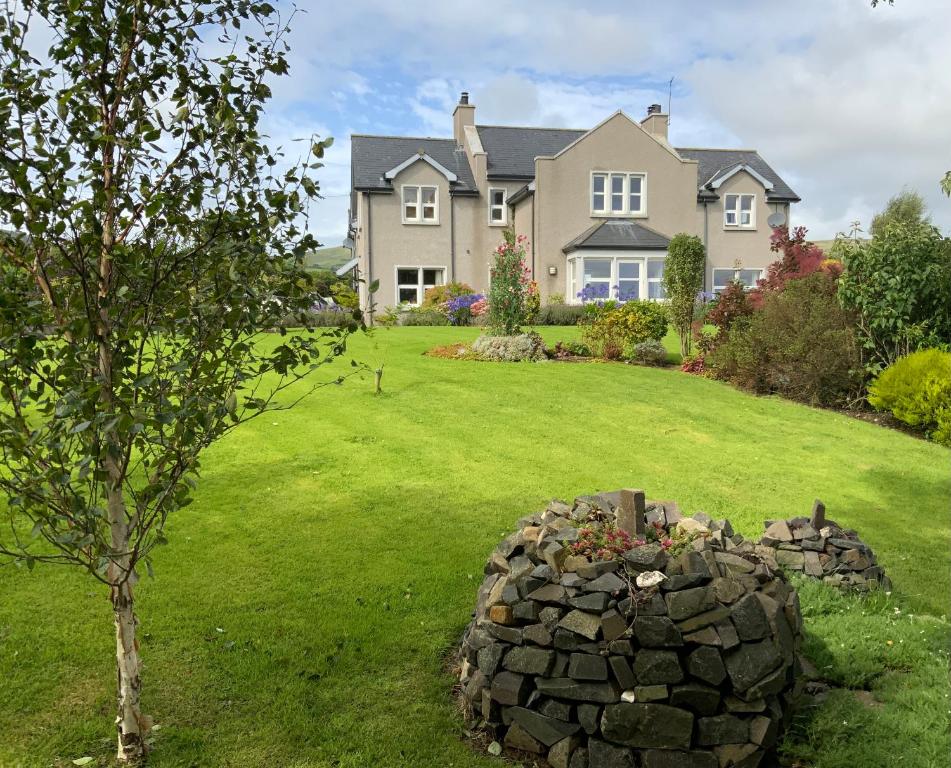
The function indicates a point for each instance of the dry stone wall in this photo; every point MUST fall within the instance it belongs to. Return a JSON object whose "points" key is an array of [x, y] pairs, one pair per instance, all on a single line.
{"points": [[822, 549], [679, 651]]}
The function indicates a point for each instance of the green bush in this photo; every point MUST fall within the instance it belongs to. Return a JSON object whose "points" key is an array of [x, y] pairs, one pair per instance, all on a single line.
{"points": [[800, 344], [614, 330], [440, 294], [899, 283], [423, 316], [555, 298], [559, 314], [917, 390], [649, 353]]}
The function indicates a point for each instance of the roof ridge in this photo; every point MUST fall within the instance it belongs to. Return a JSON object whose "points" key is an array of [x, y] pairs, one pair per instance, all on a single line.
{"points": [[533, 128], [717, 149], [386, 136]]}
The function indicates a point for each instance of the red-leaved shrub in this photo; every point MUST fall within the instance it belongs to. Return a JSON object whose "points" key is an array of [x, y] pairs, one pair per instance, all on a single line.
{"points": [[799, 259]]}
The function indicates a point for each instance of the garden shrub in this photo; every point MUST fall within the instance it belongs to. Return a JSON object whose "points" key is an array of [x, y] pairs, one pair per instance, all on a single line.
{"points": [[338, 317], [511, 348], [510, 286], [559, 314], [613, 330], [440, 294], [649, 353], [899, 283], [916, 390], [555, 299], [732, 304], [533, 303], [423, 316], [565, 349], [800, 258], [800, 344]]}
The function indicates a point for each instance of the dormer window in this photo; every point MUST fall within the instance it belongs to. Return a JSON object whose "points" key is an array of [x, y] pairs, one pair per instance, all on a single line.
{"points": [[738, 211], [420, 205], [618, 194], [497, 210]]}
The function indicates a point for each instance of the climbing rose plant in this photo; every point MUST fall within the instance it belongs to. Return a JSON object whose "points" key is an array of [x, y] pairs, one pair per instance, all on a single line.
{"points": [[510, 286]]}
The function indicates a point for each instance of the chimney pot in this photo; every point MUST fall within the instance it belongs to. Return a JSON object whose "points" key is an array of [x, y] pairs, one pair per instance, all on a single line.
{"points": [[654, 109], [464, 98]]}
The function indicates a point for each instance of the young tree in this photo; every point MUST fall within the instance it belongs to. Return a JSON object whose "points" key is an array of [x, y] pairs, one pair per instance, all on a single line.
{"points": [[899, 284], [149, 240], [683, 280], [907, 207]]}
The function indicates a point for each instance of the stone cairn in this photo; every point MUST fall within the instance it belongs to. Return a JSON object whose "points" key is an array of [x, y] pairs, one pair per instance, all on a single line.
{"points": [[822, 549], [677, 653]]}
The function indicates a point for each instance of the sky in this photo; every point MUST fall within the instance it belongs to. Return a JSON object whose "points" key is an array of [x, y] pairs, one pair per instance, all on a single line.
{"points": [[849, 103]]}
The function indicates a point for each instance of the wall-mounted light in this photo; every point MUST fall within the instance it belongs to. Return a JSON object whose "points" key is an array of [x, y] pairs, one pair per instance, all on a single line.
{"points": [[553, 271]]}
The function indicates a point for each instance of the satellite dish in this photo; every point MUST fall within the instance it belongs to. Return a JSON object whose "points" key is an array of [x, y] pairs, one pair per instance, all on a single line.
{"points": [[776, 219]]}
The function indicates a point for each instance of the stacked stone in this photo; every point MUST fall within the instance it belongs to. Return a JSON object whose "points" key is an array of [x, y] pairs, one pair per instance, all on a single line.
{"points": [[822, 549], [650, 659]]}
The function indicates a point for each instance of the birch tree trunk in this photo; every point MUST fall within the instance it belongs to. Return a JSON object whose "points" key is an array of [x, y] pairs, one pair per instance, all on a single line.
{"points": [[131, 725]]}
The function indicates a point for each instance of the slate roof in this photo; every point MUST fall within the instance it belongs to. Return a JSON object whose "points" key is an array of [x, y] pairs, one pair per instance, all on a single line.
{"points": [[622, 234], [372, 156], [714, 163], [511, 154], [512, 151]]}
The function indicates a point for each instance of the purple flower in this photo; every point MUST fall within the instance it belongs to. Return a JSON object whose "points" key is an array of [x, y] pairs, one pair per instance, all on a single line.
{"points": [[458, 309]]}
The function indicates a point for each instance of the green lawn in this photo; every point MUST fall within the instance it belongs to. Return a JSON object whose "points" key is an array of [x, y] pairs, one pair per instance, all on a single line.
{"points": [[303, 610]]}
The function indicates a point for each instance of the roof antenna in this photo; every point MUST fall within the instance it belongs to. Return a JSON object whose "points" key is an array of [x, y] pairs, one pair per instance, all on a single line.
{"points": [[670, 87]]}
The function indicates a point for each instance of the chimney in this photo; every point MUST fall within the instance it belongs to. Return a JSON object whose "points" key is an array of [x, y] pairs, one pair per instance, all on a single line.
{"points": [[462, 115], [656, 122]]}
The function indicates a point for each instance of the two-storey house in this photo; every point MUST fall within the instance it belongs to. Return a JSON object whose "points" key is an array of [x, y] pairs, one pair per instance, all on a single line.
{"points": [[598, 207]]}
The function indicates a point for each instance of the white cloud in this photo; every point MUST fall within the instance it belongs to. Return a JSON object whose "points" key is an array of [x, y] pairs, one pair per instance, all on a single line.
{"points": [[849, 103]]}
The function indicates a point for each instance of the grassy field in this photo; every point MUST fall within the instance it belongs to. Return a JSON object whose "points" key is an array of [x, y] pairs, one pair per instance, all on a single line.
{"points": [[303, 611], [330, 257]]}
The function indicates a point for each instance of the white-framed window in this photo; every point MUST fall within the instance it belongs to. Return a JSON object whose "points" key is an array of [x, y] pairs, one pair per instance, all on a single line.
{"points": [[655, 280], [622, 278], [618, 194], [739, 211], [420, 204], [596, 276], [724, 276], [628, 280], [498, 214], [412, 282]]}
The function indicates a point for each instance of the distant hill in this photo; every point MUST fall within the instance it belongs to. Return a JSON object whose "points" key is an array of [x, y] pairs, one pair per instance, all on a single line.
{"points": [[328, 258], [826, 245]]}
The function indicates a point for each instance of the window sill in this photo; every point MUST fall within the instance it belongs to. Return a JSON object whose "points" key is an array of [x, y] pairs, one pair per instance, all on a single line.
{"points": [[737, 228], [498, 224], [420, 223], [603, 215]]}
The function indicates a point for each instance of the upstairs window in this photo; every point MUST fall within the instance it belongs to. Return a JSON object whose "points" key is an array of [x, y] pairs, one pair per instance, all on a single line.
{"points": [[413, 282], [617, 194], [420, 205], [497, 208], [738, 211]]}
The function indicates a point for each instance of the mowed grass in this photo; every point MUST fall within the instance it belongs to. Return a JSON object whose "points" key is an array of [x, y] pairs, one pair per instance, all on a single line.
{"points": [[305, 607]]}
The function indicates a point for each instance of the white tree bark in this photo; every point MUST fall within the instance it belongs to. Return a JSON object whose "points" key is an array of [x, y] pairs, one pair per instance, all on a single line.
{"points": [[132, 726]]}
